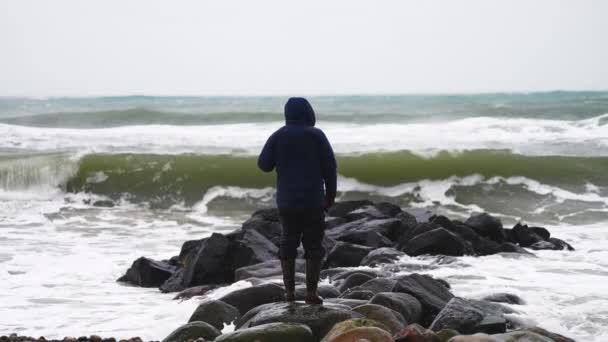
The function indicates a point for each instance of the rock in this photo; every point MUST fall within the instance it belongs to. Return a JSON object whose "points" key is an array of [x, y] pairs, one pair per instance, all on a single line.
{"points": [[265, 222], [339, 273], [194, 291], [252, 248], [340, 209], [353, 330], [332, 222], [393, 320], [552, 244], [468, 317], [542, 232], [319, 318], [216, 313], [353, 280], [446, 334], [204, 264], [408, 306], [432, 293], [389, 209], [508, 247], [555, 337], [367, 232], [104, 203], [481, 245], [148, 273], [525, 236], [505, 298], [378, 285], [473, 338], [385, 255], [416, 333], [347, 302], [346, 254], [267, 269], [487, 226], [437, 241], [325, 291], [358, 294], [521, 336], [272, 332], [254, 296], [365, 212], [193, 331]]}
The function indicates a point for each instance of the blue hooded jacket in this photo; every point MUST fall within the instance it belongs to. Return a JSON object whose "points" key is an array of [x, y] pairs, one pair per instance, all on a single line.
{"points": [[303, 158]]}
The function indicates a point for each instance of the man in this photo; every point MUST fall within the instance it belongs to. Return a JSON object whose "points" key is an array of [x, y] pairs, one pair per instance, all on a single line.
{"points": [[306, 186]]}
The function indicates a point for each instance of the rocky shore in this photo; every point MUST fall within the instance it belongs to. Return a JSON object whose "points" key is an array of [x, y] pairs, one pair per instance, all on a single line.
{"points": [[376, 301]]}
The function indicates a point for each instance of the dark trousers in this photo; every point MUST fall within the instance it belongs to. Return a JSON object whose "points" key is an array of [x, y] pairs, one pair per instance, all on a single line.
{"points": [[302, 225]]}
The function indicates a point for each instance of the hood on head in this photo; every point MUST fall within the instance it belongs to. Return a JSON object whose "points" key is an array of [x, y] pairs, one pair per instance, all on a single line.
{"points": [[299, 112]]}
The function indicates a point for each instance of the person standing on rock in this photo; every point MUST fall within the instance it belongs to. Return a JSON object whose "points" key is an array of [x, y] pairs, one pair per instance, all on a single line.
{"points": [[306, 187]]}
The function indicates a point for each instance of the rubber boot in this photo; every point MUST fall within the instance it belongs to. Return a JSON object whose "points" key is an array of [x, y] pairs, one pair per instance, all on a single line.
{"points": [[313, 271], [289, 278]]}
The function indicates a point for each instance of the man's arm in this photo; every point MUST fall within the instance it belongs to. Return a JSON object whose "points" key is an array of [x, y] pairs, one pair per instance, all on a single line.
{"points": [[266, 160], [328, 169]]}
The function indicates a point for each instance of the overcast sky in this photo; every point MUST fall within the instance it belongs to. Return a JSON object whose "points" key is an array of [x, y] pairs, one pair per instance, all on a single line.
{"points": [[253, 47]]}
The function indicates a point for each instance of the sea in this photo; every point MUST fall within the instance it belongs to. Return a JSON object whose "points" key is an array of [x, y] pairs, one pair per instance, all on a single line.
{"points": [[181, 168]]}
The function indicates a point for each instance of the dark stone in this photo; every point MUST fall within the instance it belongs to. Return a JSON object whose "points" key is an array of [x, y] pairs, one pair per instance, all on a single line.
{"points": [[525, 236], [388, 209], [542, 232], [390, 318], [267, 269], [264, 223], [104, 203], [340, 209], [335, 274], [319, 318], [469, 317], [386, 255], [561, 244], [271, 332], [332, 222], [252, 248], [378, 285], [216, 313], [437, 241], [193, 331], [373, 233], [418, 229], [270, 214], [366, 212], [416, 333], [347, 302], [353, 280], [487, 226], [433, 294], [408, 306], [508, 247], [346, 254], [481, 245], [325, 291], [194, 291], [505, 298], [553, 244], [554, 336], [254, 296], [358, 294], [148, 273]]}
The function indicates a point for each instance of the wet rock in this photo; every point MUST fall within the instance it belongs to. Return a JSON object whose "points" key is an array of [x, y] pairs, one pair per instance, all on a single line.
{"points": [[487, 226], [358, 294], [437, 241], [319, 318], [525, 236], [267, 269], [252, 248], [104, 204], [481, 245], [366, 212], [521, 336], [353, 280], [416, 333], [346, 254], [358, 329], [325, 291], [216, 313], [553, 244], [388, 209], [446, 334], [408, 306], [193, 331], [272, 332], [473, 338], [505, 298], [508, 247], [254, 296], [332, 222], [378, 285], [340, 209], [542, 232], [194, 291], [469, 317], [433, 294], [372, 233], [555, 337], [393, 320], [347, 302], [339, 273], [386, 255], [265, 222], [148, 273]]}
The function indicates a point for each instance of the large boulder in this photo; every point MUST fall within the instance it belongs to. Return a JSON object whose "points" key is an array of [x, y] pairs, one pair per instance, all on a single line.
{"points": [[319, 318], [393, 320], [504, 298], [373, 233], [358, 294], [488, 226], [437, 241], [353, 330], [254, 296], [271, 332], [481, 245], [353, 280], [524, 236], [432, 294], [325, 291], [469, 317], [193, 331], [378, 285], [368, 211], [340, 209], [265, 222], [252, 248], [216, 313], [347, 302], [386, 255], [148, 273], [416, 333], [552, 244], [346, 254], [521, 336], [204, 264], [267, 269], [408, 306]]}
